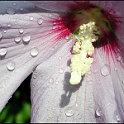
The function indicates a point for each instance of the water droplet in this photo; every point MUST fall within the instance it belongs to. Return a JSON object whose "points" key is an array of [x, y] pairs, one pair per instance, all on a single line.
{"points": [[11, 65], [34, 76], [26, 39], [90, 82], [54, 27], [17, 39], [14, 4], [98, 112], [54, 57], [9, 25], [69, 111], [118, 58], [115, 69], [40, 21], [4, 31], [34, 52], [31, 18], [108, 104], [21, 31], [76, 105], [10, 11], [118, 118], [60, 58], [3, 52], [21, 9], [50, 89], [67, 37], [56, 82], [60, 71], [122, 81], [51, 80], [1, 35], [105, 70]]}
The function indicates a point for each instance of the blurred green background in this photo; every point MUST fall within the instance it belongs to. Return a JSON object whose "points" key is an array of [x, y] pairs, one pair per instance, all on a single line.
{"points": [[17, 110]]}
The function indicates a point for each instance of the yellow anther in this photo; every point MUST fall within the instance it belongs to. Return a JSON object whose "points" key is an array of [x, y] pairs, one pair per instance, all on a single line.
{"points": [[80, 62]]}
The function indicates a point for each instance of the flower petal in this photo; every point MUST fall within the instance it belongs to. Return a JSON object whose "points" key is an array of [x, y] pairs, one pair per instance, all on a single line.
{"points": [[54, 6], [99, 98], [108, 87], [26, 40], [55, 100]]}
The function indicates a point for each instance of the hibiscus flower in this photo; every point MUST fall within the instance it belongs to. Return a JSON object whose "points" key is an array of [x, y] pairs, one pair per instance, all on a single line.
{"points": [[46, 39]]}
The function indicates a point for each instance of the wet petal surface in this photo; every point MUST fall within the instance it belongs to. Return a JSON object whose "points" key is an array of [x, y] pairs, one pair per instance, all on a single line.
{"points": [[26, 40], [99, 98], [30, 36]]}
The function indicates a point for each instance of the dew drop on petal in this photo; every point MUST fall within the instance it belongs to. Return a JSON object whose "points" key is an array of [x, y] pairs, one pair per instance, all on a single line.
{"points": [[33, 86], [117, 116], [98, 112], [122, 81], [51, 80], [21, 31], [34, 52], [108, 104], [17, 39], [67, 37], [34, 76], [55, 27], [118, 58], [50, 89], [26, 38], [60, 58], [91, 82], [4, 31], [14, 4], [115, 69], [10, 11], [40, 21], [56, 82], [1, 35], [11, 65], [60, 70], [21, 9], [69, 111], [31, 18], [76, 104], [105, 70], [9, 25], [3, 52]]}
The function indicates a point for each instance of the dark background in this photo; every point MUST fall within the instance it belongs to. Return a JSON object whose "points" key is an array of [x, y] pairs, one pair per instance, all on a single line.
{"points": [[18, 108]]}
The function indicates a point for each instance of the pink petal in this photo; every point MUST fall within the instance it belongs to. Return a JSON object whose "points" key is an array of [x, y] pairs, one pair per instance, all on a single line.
{"points": [[26, 39], [99, 98], [54, 6]]}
